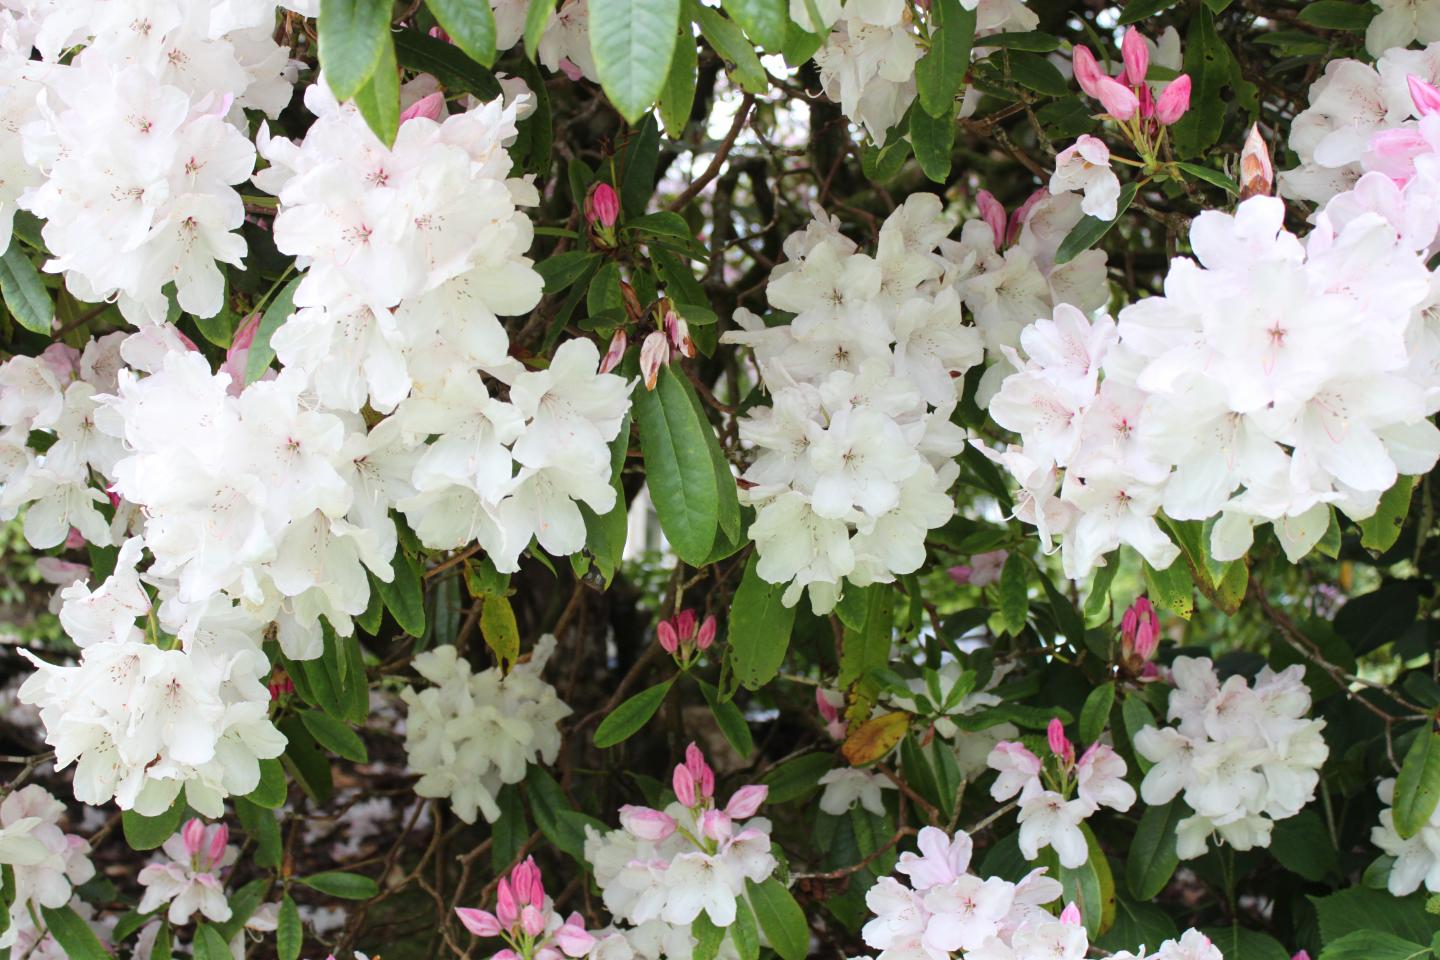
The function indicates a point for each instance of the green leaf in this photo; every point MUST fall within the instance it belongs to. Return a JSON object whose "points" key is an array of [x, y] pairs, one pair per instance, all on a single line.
{"points": [[25, 295], [677, 97], [940, 74], [798, 778], [1338, 15], [1237, 943], [744, 933], [510, 832], [727, 39], [1223, 583], [270, 793], [1090, 230], [639, 161], [305, 761], [1137, 10], [73, 934], [243, 904], [763, 21], [869, 617], [335, 736], [1090, 886], [633, 42], [1152, 859], [263, 830], [1095, 714], [498, 627], [1210, 176], [1137, 717], [1373, 945], [727, 501], [562, 270], [605, 536], [404, 595], [708, 937], [379, 100], [1014, 593], [353, 35], [558, 821], [471, 26], [208, 944], [1380, 531], [678, 467], [933, 140], [1067, 618], [289, 935], [537, 17], [456, 72], [1171, 589], [1034, 72], [1360, 908], [257, 361], [1417, 788], [1207, 61], [147, 833], [1303, 845], [630, 716], [346, 886], [781, 918], [1033, 41], [729, 719]]}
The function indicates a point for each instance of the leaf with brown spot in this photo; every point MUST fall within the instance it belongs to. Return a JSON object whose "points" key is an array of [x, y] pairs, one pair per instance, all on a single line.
{"points": [[874, 738]]}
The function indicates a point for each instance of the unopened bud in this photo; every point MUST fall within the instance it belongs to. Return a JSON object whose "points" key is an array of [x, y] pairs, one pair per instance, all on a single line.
{"points": [[1060, 744], [1087, 72], [1174, 100], [430, 106], [602, 206], [654, 354], [1118, 100], [993, 213], [669, 641], [1257, 175], [633, 310], [1070, 915], [615, 352], [1136, 54], [706, 636], [1425, 96], [677, 331]]}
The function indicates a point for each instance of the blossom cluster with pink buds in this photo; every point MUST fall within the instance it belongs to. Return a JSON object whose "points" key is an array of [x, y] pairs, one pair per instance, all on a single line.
{"points": [[670, 337], [1128, 95], [191, 881], [1058, 793], [1140, 639], [525, 918], [685, 637], [667, 866]]}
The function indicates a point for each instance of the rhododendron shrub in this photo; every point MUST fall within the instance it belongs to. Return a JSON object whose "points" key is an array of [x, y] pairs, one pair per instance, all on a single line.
{"points": [[741, 480]]}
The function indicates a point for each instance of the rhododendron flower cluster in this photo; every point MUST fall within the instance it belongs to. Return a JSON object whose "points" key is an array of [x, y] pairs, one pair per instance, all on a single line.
{"points": [[190, 882], [663, 867], [46, 862], [131, 150], [471, 733], [142, 721], [525, 918], [1050, 816], [1417, 858], [1240, 755], [1192, 945], [685, 637]]}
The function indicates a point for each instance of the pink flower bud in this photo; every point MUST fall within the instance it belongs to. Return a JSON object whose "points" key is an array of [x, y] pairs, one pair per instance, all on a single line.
{"points": [[716, 825], [706, 636], [1147, 100], [684, 784], [993, 213], [1018, 218], [745, 801], [1071, 913], [602, 206], [685, 624], [532, 920], [1426, 98], [1118, 100], [654, 354], [960, 574], [506, 909], [647, 824], [1174, 100], [1301, 955], [1087, 72], [525, 880], [218, 839], [1059, 744], [677, 331], [482, 923], [1257, 175], [431, 107], [238, 354], [74, 540], [1136, 54], [700, 770], [193, 836], [506, 954], [439, 34], [615, 353], [665, 633], [572, 937]]}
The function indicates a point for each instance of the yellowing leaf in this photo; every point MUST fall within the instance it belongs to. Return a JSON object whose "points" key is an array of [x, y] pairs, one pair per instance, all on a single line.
{"points": [[874, 738]]}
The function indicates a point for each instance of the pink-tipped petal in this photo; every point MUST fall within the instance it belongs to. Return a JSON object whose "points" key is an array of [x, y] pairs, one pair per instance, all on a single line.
{"points": [[1087, 72], [218, 840], [193, 836], [1174, 100], [1136, 55], [431, 107], [1070, 915], [573, 939], [654, 354], [1118, 100], [506, 909], [482, 923], [532, 920], [1425, 95], [683, 783], [615, 352], [745, 801], [645, 823], [993, 213]]}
